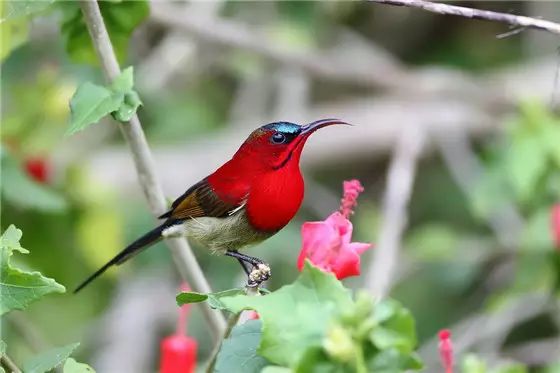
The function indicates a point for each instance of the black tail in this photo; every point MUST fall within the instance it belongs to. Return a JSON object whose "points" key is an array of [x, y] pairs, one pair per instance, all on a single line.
{"points": [[134, 248]]}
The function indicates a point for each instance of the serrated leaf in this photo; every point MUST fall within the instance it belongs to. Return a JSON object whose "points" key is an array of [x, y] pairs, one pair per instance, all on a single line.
{"points": [[90, 103], [121, 18], [49, 360], [296, 316], [20, 190], [72, 366], [20, 288], [238, 353]]}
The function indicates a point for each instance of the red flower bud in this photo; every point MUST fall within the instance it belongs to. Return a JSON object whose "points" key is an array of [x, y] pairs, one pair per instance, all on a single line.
{"points": [[446, 350], [555, 224], [178, 354], [178, 351], [38, 169]]}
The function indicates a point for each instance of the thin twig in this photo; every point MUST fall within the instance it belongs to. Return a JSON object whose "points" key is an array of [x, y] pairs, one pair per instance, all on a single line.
{"points": [[7, 363], [233, 34], [232, 322], [145, 167], [446, 9], [400, 179]]}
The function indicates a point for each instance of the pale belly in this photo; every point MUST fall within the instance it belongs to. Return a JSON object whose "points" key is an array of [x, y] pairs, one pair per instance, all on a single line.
{"points": [[219, 234]]}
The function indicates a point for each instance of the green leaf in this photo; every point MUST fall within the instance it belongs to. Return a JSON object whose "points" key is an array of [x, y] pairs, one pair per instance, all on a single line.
{"points": [[392, 361], [473, 364], [190, 297], [511, 368], [49, 360], [20, 190], [316, 360], [72, 366], [238, 353], [212, 298], [124, 82], [537, 233], [13, 33], [490, 192], [215, 299], [526, 162], [20, 288], [90, 103], [397, 328], [14, 22], [22, 8], [121, 18], [128, 108], [3, 347], [276, 369], [296, 316]]}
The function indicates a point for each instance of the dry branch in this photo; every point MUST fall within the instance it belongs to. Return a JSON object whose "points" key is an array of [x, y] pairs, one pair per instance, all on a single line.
{"points": [[145, 166], [232, 34], [400, 179], [446, 9]]}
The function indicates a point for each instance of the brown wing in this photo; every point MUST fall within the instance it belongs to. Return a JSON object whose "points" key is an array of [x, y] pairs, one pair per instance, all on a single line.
{"points": [[199, 200]]}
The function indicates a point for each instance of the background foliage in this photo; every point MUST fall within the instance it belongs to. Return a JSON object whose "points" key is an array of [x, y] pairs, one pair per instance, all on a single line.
{"points": [[77, 210]]}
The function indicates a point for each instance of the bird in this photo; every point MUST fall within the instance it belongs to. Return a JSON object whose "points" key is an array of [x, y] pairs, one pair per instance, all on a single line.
{"points": [[248, 199]]}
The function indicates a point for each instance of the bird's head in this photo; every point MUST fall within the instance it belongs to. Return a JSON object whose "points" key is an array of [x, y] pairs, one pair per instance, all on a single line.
{"points": [[279, 143]]}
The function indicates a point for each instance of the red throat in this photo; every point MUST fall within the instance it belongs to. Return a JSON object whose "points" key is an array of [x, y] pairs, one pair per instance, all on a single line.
{"points": [[276, 197]]}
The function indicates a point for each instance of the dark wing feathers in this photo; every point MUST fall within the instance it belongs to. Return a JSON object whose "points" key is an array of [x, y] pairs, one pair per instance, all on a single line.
{"points": [[199, 200]]}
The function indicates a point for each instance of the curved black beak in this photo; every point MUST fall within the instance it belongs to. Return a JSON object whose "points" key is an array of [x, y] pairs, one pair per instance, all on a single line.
{"points": [[314, 126]]}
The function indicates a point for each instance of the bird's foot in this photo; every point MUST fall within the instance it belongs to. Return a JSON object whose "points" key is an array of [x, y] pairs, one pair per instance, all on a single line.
{"points": [[260, 273]]}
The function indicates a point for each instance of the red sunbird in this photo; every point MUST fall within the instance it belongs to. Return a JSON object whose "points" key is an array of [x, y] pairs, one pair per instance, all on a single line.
{"points": [[245, 201]]}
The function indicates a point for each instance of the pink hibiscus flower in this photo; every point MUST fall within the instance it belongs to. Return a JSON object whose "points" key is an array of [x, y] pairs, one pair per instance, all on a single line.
{"points": [[327, 244]]}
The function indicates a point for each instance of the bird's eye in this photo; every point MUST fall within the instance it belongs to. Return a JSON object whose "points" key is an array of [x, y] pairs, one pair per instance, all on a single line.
{"points": [[278, 138]]}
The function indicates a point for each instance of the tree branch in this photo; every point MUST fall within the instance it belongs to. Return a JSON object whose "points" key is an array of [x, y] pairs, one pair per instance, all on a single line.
{"points": [[232, 322], [511, 19], [400, 179], [7, 363], [232, 34], [145, 167]]}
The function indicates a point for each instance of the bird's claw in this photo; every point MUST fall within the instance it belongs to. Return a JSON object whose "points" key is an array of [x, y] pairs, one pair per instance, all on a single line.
{"points": [[260, 273]]}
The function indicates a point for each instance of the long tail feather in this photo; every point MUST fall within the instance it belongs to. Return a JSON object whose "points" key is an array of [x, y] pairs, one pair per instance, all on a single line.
{"points": [[134, 248]]}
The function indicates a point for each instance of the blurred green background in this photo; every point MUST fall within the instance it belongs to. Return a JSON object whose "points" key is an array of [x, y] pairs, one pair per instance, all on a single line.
{"points": [[476, 243]]}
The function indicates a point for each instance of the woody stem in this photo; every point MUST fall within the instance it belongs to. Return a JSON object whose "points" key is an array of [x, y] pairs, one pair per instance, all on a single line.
{"points": [[145, 166]]}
